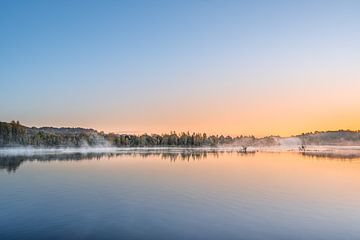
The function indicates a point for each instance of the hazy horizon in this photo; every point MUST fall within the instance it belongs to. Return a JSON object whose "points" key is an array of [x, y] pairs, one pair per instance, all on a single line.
{"points": [[261, 68]]}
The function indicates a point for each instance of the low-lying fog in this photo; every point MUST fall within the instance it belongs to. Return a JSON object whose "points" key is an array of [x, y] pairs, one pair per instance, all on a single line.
{"points": [[282, 147]]}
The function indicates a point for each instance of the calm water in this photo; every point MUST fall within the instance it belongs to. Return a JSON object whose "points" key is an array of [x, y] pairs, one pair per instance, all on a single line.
{"points": [[179, 196]]}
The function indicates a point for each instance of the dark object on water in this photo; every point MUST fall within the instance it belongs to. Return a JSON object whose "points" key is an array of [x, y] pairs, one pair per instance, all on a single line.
{"points": [[302, 148], [245, 150]]}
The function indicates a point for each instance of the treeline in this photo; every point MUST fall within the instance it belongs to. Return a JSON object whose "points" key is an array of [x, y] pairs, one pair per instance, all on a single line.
{"points": [[339, 138], [15, 134]]}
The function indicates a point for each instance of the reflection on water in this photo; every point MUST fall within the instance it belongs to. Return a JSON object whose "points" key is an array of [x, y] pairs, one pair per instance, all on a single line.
{"points": [[12, 162], [350, 155], [180, 194]]}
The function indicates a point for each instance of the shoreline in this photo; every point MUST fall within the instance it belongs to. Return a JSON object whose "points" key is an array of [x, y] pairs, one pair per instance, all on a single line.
{"points": [[310, 149]]}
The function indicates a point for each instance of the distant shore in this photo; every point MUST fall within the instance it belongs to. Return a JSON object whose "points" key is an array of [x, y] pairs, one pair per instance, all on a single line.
{"points": [[311, 149], [16, 135]]}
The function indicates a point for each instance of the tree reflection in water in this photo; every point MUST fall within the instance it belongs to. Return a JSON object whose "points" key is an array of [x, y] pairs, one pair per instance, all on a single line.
{"points": [[11, 163]]}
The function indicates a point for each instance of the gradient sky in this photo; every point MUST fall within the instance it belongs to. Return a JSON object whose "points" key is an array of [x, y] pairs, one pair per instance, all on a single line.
{"points": [[227, 67]]}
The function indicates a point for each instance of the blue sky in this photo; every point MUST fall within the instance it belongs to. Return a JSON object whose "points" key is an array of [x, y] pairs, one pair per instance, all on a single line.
{"points": [[156, 66]]}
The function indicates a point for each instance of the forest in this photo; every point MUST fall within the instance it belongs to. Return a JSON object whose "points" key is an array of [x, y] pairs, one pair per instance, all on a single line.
{"points": [[14, 134]]}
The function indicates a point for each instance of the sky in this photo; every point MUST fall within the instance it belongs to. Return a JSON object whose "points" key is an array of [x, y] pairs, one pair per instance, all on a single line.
{"points": [[220, 67]]}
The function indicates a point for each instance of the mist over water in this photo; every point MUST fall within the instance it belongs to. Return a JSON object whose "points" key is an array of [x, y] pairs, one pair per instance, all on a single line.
{"points": [[28, 151], [284, 145]]}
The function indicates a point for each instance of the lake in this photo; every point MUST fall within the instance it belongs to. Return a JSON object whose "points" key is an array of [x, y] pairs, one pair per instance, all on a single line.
{"points": [[179, 195]]}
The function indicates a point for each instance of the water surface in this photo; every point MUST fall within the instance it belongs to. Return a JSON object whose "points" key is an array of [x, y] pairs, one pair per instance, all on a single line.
{"points": [[179, 195]]}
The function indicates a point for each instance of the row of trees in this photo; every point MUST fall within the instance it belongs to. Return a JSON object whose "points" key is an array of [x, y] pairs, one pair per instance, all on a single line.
{"points": [[172, 139], [340, 137], [15, 134]]}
